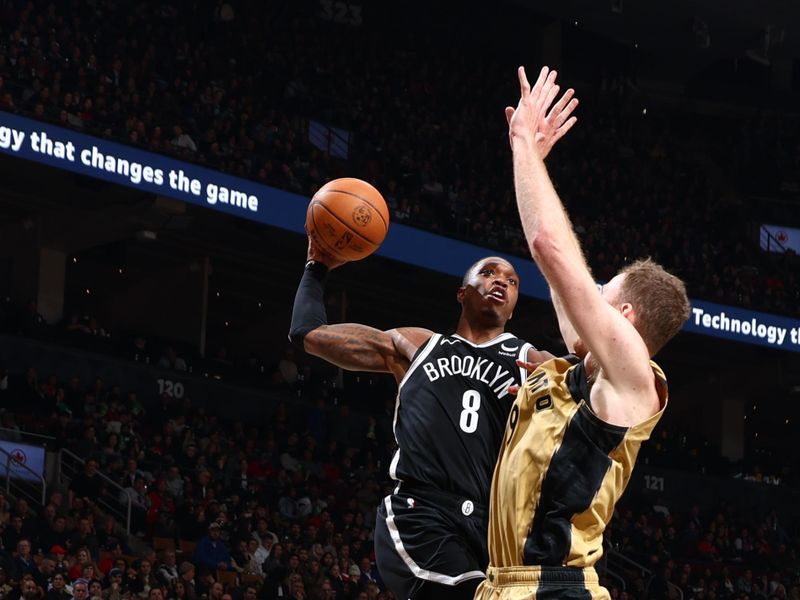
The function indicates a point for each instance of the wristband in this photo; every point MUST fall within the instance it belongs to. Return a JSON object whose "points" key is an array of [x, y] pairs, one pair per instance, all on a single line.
{"points": [[317, 268]]}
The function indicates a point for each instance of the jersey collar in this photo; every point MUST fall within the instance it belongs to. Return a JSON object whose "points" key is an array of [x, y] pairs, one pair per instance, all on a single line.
{"points": [[500, 338]]}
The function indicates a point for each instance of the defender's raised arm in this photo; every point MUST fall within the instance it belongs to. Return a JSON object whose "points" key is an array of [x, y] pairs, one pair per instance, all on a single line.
{"points": [[607, 333]]}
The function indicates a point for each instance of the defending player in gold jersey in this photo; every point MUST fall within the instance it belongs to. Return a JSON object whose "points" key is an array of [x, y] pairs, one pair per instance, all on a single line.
{"points": [[576, 427]]}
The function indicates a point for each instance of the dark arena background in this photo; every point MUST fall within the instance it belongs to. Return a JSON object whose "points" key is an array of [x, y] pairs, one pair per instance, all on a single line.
{"points": [[156, 161]]}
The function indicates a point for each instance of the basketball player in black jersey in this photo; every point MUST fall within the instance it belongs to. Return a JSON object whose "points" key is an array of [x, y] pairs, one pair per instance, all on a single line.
{"points": [[452, 405], [451, 410]]}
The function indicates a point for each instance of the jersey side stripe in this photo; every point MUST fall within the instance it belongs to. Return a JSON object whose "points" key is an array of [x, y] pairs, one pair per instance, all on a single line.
{"points": [[421, 356], [566, 490], [393, 467], [418, 571], [523, 355]]}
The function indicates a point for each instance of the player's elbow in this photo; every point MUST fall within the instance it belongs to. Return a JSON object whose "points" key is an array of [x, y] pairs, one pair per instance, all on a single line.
{"points": [[544, 246], [305, 338], [571, 340]]}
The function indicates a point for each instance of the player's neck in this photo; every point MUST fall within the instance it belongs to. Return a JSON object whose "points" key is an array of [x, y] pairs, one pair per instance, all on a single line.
{"points": [[478, 334]]}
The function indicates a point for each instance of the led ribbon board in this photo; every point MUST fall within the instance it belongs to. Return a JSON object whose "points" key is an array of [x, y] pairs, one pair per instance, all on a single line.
{"points": [[129, 166]]}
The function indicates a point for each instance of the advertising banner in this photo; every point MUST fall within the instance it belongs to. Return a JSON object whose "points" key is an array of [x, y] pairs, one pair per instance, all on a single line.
{"points": [[163, 175]]}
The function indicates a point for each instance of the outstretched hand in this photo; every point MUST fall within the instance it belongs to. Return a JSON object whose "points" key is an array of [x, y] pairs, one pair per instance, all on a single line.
{"points": [[530, 367], [532, 120]]}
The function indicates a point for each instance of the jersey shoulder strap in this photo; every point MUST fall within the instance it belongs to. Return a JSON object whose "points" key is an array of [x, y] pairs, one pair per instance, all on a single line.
{"points": [[419, 356]]}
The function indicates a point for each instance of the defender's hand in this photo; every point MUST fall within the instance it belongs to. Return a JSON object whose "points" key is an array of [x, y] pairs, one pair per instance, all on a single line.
{"points": [[557, 122], [532, 119], [530, 367]]}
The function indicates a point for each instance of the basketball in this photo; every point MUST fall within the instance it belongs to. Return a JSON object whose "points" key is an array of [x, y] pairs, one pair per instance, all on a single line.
{"points": [[347, 218]]}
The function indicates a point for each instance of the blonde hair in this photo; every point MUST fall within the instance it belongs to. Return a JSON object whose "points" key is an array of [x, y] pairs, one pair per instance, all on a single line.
{"points": [[659, 302]]}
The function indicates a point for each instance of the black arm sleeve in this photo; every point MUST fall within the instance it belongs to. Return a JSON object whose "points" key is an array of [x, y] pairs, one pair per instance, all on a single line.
{"points": [[308, 312]]}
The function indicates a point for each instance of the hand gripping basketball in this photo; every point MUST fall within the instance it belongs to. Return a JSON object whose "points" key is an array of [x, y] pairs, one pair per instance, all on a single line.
{"points": [[347, 219]]}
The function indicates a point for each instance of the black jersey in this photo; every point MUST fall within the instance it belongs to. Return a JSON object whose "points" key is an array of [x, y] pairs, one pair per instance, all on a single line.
{"points": [[451, 412]]}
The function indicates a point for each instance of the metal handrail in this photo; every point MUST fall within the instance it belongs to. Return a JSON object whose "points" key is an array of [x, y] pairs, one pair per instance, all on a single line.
{"points": [[617, 554], [616, 577], [643, 570], [11, 461], [675, 588], [23, 433], [113, 484]]}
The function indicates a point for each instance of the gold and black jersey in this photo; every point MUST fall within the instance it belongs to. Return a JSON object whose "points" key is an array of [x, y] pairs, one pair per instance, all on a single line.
{"points": [[561, 471]]}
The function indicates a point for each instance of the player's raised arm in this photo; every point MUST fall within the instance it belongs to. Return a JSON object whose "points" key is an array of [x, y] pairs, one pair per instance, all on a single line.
{"points": [[552, 124], [609, 336], [351, 346], [357, 347]]}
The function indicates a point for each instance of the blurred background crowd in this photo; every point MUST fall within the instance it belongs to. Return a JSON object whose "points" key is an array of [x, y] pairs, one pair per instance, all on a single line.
{"points": [[225, 508], [249, 88], [286, 508]]}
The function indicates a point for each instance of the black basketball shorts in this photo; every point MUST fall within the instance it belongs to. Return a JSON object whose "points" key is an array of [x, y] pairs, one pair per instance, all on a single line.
{"points": [[427, 537]]}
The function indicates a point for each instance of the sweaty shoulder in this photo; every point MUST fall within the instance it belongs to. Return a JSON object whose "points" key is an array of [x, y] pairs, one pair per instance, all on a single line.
{"points": [[629, 409], [408, 340]]}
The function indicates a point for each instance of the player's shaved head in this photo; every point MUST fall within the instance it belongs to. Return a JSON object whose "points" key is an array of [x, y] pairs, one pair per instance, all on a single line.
{"points": [[482, 262]]}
